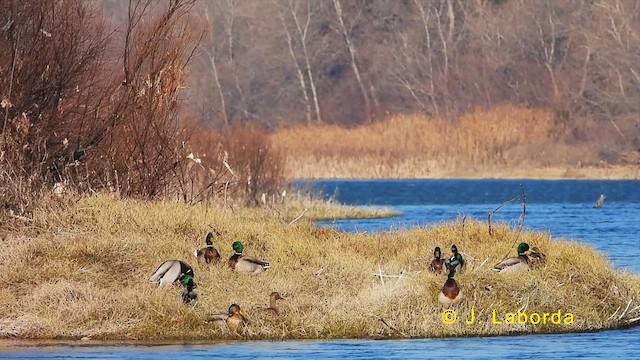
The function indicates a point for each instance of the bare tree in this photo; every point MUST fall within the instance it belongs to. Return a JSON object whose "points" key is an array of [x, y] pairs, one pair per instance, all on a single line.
{"points": [[303, 85], [303, 31], [354, 62]]}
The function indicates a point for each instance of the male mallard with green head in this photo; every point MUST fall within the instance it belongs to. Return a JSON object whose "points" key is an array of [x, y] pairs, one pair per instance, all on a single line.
{"points": [[177, 272], [516, 263], [244, 263], [451, 293], [234, 318], [437, 264], [209, 254], [456, 259]]}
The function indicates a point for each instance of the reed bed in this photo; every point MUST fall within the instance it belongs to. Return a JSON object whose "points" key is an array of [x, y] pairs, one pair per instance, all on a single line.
{"points": [[507, 141], [81, 270]]}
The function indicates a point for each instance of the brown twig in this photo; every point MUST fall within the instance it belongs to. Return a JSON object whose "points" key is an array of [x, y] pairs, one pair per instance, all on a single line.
{"points": [[382, 320]]}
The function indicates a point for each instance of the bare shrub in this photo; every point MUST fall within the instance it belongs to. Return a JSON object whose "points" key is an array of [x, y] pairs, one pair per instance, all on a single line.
{"points": [[51, 52], [237, 161]]}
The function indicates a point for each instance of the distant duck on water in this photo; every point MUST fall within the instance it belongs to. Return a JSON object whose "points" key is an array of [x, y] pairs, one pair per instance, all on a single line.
{"points": [[600, 202]]}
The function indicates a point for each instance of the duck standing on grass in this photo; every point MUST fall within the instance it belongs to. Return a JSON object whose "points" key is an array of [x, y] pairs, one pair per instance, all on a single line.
{"points": [[234, 318], [176, 271], [437, 264], [516, 263], [246, 264], [451, 293], [456, 259], [209, 254]]}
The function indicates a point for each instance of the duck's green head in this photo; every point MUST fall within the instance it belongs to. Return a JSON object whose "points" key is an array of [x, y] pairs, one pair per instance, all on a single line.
{"points": [[237, 247], [522, 248], [437, 253], [233, 309], [454, 249], [209, 239], [187, 280]]}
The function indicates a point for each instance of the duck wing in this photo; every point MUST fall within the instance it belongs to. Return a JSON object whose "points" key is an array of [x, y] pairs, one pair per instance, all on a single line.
{"points": [[512, 263], [253, 260], [436, 265], [217, 317]]}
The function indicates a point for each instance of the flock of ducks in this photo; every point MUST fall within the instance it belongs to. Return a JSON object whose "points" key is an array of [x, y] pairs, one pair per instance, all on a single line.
{"points": [[528, 258], [180, 273]]}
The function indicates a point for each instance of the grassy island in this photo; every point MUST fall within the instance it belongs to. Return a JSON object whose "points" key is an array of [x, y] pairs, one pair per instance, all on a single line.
{"points": [[81, 269]]}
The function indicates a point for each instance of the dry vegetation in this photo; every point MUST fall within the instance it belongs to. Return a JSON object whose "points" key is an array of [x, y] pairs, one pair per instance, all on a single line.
{"points": [[81, 269], [507, 141]]}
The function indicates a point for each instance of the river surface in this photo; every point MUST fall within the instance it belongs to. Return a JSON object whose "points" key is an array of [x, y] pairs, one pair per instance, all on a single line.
{"points": [[563, 208]]}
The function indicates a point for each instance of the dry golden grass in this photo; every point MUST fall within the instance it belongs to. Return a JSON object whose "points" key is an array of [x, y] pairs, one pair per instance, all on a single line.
{"points": [[82, 270], [507, 142], [313, 207]]}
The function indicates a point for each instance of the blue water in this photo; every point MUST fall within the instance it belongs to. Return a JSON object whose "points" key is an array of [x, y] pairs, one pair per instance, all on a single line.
{"points": [[564, 208]]}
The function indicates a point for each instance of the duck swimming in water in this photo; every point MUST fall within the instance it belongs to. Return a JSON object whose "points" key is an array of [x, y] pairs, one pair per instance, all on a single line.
{"points": [[516, 263], [208, 254], [437, 264], [244, 263], [599, 202], [450, 293]]}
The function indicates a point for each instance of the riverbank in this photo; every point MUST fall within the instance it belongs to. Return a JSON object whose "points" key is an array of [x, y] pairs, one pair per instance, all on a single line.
{"points": [[81, 269]]}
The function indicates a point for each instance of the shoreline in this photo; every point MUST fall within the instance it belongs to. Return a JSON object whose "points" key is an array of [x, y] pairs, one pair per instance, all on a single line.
{"points": [[300, 170], [8, 343]]}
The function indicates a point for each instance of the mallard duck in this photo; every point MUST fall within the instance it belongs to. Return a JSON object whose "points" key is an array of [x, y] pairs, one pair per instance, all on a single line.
{"points": [[536, 258], [516, 263], [451, 293], [234, 318], [189, 296], [273, 303], [246, 264], [172, 271], [177, 272], [456, 259], [208, 254], [437, 264]]}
